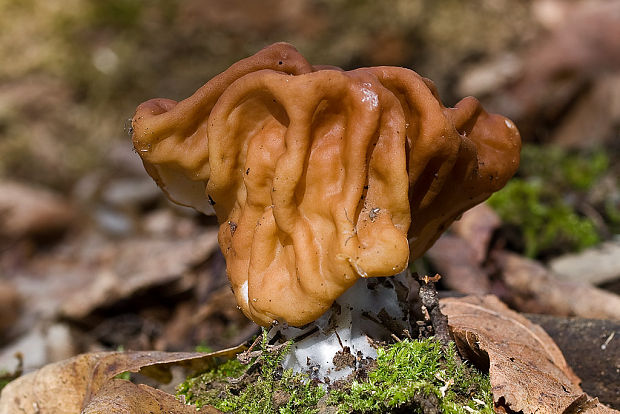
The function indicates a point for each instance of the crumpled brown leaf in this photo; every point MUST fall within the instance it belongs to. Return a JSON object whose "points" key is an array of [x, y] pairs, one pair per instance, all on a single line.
{"points": [[534, 289], [476, 226], [459, 256], [88, 272], [86, 383], [10, 302], [456, 260], [527, 370], [27, 211], [597, 265], [134, 265], [124, 397]]}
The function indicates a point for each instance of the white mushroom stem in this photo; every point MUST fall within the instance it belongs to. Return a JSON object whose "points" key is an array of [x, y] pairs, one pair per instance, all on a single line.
{"points": [[371, 310]]}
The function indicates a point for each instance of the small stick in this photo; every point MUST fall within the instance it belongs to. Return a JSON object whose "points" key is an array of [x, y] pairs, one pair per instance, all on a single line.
{"points": [[430, 300], [339, 340], [246, 356], [607, 341]]}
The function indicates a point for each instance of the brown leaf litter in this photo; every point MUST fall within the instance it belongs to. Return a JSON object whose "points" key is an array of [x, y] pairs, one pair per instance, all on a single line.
{"points": [[28, 211], [527, 370], [469, 264], [86, 383], [531, 287]]}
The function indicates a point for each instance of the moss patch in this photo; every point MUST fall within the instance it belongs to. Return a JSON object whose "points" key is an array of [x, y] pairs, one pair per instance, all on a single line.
{"points": [[3, 381], [545, 219], [553, 200], [408, 376], [6, 377], [261, 386]]}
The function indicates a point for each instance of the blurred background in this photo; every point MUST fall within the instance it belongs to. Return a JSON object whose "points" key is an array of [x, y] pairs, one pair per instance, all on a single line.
{"points": [[93, 257]]}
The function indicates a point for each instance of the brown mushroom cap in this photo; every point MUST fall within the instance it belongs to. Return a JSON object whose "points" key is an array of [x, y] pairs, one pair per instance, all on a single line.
{"points": [[320, 176]]}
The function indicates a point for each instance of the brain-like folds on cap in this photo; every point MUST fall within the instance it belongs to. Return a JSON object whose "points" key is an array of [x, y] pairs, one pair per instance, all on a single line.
{"points": [[319, 176]]}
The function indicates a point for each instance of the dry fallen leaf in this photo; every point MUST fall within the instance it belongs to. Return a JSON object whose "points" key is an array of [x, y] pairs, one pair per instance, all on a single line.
{"points": [[532, 288], [557, 69], [10, 302], [121, 396], [137, 264], [27, 211], [476, 227], [455, 259], [596, 265], [124, 397], [88, 272], [86, 382], [527, 370], [459, 256]]}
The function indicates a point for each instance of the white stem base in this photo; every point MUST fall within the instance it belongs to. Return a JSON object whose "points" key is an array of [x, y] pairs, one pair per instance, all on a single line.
{"points": [[372, 309]]}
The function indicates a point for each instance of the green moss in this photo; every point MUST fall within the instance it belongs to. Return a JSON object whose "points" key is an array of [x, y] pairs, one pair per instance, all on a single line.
{"points": [[406, 374], [195, 391], [569, 171], [3, 381], [260, 387], [272, 393], [545, 219], [612, 211], [124, 375], [119, 14], [204, 348], [411, 371], [6, 377], [545, 201]]}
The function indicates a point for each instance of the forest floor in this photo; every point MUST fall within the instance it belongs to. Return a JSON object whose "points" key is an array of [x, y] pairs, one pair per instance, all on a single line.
{"points": [[94, 258]]}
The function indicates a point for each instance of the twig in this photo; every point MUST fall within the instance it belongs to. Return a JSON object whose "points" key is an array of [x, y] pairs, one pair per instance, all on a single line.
{"points": [[430, 300]]}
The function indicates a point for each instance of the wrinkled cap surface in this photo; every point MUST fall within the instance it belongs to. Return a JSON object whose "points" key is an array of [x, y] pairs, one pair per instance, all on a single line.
{"points": [[318, 176]]}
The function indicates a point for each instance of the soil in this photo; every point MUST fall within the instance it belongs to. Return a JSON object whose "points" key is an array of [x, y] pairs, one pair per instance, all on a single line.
{"points": [[344, 359], [600, 340]]}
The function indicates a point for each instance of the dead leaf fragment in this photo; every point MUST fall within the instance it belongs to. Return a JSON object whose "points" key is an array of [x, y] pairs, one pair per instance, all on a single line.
{"points": [[29, 211], [476, 227], [10, 302], [559, 66], [534, 289], [124, 397], [456, 260], [72, 385], [595, 115], [134, 265], [597, 265], [527, 370]]}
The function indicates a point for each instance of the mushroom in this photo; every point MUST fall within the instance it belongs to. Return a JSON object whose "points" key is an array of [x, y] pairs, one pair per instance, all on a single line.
{"points": [[318, 176]]}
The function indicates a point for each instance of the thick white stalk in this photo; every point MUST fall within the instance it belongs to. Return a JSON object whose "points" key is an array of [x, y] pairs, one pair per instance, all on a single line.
{"points": [[341, 339]]}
